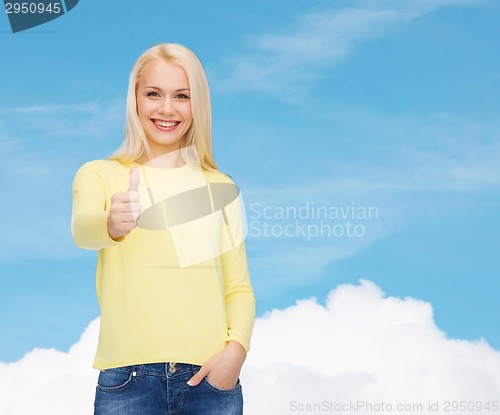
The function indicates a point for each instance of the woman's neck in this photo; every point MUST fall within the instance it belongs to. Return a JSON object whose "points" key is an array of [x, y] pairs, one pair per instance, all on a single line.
{"points": [[170, 160]]}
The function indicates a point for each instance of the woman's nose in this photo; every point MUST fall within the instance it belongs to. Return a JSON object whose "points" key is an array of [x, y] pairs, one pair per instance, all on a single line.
{"points": [[167, 107]]}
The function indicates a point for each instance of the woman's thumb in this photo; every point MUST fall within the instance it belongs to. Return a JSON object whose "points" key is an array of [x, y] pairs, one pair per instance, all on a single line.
{"points": [[133, 180]]}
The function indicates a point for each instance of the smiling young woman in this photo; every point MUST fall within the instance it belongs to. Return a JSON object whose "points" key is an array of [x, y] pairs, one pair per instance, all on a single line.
{"points": [[164, 106], [177, 306], [196, 146]]}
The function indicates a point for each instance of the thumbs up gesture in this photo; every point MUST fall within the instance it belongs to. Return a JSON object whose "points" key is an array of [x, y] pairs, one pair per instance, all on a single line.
{"points": [[125, 208]]}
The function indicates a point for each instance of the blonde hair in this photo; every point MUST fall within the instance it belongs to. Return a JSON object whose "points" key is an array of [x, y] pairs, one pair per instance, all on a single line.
{"points": [[196, 146]]}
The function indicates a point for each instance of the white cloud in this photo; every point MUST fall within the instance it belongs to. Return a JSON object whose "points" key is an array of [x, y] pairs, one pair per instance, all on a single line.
{"points": [[361, 346], [285, 62], [364, 347], [47, 381]]}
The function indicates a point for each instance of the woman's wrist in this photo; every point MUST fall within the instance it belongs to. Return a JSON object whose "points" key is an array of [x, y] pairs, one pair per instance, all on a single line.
{"points": [[237, 350]]}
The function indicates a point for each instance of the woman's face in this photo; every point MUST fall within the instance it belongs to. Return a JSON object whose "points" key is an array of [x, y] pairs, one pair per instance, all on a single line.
{"points": [[164, 105]]}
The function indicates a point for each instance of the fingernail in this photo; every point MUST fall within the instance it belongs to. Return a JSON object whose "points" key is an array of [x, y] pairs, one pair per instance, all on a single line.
{"points": [[188, 382]]}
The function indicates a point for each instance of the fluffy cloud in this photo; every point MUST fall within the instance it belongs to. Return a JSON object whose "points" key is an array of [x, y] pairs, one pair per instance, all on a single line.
{"points": [[364, 347], [47, 381], [360, 350]]}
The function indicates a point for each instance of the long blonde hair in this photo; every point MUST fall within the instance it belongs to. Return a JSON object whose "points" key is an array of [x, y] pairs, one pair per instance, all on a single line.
{"points": [[196, 146]]}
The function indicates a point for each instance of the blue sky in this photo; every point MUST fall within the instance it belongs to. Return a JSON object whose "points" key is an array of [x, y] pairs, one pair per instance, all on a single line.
{"points": [[386, 104]]}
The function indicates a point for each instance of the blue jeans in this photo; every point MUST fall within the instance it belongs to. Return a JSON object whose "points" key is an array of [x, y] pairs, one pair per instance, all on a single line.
{"points": [[161, 389]]}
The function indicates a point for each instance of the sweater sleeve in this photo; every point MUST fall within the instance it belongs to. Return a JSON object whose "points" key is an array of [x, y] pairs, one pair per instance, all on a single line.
{"points": [[238, 294], [90, 210]]}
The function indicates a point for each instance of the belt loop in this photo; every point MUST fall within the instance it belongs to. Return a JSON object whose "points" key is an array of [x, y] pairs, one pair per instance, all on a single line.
{"points": [[140, 371]]}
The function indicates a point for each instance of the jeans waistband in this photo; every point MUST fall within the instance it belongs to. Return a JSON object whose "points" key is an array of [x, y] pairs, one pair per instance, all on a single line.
{"points": [[166, 369]]}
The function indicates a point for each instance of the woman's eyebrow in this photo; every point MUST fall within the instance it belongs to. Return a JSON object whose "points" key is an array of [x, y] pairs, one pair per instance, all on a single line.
{"points": [[161, 90]]}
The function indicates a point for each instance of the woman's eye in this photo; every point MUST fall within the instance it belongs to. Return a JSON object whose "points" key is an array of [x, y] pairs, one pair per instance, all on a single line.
{"points": [[182, 96], [153, 94]]}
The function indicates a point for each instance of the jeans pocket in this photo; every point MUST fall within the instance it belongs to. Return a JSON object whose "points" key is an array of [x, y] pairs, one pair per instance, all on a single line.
{"points": [[215, 388], [111, 380]]}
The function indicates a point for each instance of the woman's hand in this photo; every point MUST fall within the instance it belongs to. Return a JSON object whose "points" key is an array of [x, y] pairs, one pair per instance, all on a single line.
{"points": [[223, 369], [125, 208]]}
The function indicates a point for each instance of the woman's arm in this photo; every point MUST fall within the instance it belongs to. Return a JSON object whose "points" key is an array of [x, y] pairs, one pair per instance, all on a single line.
{"points": [[90, 210], [223, 369], [239, 296]]}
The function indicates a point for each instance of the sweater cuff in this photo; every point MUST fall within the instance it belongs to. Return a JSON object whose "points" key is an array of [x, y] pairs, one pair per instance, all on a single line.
{"points": [[234, 334], [90, 231]]}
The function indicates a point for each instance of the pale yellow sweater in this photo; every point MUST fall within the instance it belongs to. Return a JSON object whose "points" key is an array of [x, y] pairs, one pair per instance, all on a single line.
{"points": [[177, 287]]}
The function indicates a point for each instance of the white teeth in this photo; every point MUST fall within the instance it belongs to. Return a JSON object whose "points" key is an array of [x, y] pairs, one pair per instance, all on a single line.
{"points": [[166, 124]]}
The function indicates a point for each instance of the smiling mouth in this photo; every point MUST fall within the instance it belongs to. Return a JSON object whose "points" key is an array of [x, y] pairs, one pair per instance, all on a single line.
{"points": [[166, 124]]}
